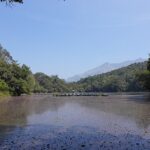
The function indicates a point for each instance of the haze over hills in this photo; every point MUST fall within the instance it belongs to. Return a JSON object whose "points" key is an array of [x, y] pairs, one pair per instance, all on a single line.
{"points": [[104, 68], [125, 79]]}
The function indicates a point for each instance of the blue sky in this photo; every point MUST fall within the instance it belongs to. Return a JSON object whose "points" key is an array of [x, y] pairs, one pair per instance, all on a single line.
{"points": [[67, 38]]}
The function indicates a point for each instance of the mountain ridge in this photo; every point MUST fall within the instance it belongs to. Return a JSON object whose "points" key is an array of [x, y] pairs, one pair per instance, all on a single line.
{"points": [[125, 79], [104, 68]]}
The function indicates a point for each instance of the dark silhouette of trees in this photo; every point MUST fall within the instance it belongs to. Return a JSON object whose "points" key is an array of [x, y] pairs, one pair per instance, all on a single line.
{"points": [[12, 1], [144, 77], [148, 64]]}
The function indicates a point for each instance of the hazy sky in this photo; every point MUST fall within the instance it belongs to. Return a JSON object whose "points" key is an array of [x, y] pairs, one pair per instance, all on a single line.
{"points": [[67, 38]]}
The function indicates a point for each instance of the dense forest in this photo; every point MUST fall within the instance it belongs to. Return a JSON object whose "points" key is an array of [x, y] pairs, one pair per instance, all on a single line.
{"points": [[121, 80], [144, 77], [50, 84], [16, 79]]}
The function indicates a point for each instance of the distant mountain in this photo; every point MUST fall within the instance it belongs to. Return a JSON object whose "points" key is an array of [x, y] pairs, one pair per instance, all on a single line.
{"points": [[104, 68], [125, 79]]}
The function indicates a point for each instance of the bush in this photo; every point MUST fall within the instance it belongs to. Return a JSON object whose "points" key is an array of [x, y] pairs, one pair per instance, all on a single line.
{"points": [[3, 86]]}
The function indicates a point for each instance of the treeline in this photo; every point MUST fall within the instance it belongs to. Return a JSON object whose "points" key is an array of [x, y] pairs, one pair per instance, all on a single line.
{"points": [[49, 84], [14, 79], [144, 77], [18, 79], [121, 80]]}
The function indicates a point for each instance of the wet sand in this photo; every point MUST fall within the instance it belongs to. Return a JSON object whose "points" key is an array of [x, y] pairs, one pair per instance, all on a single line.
{"points": [[118, 122]]}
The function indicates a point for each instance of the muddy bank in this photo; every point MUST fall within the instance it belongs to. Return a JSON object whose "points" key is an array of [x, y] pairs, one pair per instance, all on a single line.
{"points": [[59, 138]]}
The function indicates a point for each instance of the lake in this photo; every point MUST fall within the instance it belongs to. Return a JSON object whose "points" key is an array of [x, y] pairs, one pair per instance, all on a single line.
{"points": [[117, 121]]}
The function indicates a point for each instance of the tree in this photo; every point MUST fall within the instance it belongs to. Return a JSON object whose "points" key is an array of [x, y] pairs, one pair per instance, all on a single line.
{"points": [[120, 80], [144, 77], [22, 80], [18, 78], [50, 83], [3, 86], [12, 1], [5, 56], [147, 75], [28, 77], [148, 64]]}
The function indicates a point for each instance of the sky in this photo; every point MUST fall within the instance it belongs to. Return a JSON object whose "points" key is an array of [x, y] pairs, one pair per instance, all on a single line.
{"points": [[69, 37]]}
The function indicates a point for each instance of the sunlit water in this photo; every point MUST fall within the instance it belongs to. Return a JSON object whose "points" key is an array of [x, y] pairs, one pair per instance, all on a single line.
{"points": [[24, 119]]}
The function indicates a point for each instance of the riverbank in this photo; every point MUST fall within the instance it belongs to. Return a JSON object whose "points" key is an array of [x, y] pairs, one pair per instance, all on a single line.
{"points": [[80, 94]]}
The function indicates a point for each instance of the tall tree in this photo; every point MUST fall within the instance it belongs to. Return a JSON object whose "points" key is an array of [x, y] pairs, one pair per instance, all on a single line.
{"points": [[13, 77], [5, 56]]}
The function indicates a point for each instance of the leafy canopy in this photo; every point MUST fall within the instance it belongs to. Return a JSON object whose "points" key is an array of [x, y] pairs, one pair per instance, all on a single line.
{"points": [[14, 78]]}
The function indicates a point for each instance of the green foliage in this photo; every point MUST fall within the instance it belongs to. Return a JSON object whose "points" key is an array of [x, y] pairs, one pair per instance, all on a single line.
{"points": [[28, 77], [121, 80], [5, 56], [144, 77], [19, 79], [148, 64], [39, 89], [50, 84], [44, 81], [4, 89], [3, 86]]}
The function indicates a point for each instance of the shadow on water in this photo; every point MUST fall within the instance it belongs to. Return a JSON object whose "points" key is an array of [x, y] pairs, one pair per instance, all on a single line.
{"points": [[142, 98], [16, 110]]}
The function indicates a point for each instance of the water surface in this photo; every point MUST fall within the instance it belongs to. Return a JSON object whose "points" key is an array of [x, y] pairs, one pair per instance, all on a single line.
{"points": [[46, 122]]}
